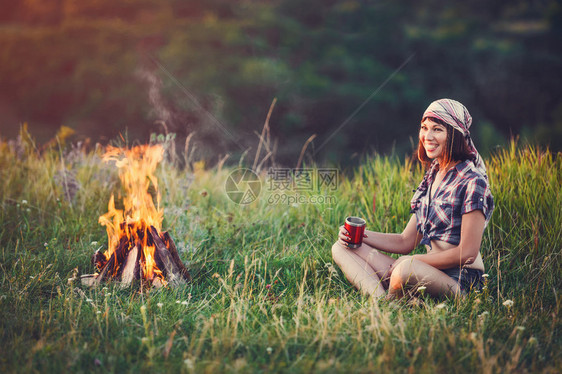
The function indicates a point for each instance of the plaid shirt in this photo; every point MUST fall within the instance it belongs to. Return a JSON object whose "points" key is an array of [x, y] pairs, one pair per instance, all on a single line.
{"points": [[462, 190]]}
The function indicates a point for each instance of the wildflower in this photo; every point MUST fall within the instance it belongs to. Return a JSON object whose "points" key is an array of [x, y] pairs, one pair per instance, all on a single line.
{"points": [[473, 335], [24, 202], [105, 289], [440, 306], [189, 363], [421, 288], [520, 328], [108, 294], [144, 339], [532, 340], [177, 301], [269, 350], [485, 275], [97, 362], [45, 244], [28, 210], [268, 286], [98, 312], [216, 275], [94, 243], [31, 277], [143, 308], [508, 303], [89, 300], [483, 315], [160, 305], [184, 303]]}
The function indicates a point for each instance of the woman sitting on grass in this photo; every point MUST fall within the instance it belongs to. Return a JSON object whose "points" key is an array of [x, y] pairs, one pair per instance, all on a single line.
{"points": [[450, 209]]}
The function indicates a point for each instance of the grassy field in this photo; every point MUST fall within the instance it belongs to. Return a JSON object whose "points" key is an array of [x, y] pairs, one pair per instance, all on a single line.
{"points": [[266, 296]]}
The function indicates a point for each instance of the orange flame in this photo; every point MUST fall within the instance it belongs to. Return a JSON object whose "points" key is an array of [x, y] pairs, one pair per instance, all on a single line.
{"points": [[136, 172]]}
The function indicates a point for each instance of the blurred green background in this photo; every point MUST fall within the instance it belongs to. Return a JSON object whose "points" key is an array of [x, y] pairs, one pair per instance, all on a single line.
{"points": [[106, 67]]}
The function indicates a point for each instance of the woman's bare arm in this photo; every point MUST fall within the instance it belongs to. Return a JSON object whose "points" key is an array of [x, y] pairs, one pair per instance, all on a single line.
{"points": [[403, 243], [472, 229]]}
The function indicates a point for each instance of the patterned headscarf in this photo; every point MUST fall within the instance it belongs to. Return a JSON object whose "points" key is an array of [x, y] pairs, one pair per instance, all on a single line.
{"points": [[455, 114]]}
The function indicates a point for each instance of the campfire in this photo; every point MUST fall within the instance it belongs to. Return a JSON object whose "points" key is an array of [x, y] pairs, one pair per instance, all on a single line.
{"points": [[137, 248]]}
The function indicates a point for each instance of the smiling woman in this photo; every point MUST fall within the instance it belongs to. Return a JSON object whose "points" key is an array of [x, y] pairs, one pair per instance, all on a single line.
{"points": [[450, 210]]}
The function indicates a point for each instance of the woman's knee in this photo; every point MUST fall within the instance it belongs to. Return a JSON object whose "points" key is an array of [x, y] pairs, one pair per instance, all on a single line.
{"points": [[401, 275], [338, 252]]}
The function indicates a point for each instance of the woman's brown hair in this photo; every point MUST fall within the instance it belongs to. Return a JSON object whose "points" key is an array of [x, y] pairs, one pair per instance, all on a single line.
{"points": [[456, 148]]}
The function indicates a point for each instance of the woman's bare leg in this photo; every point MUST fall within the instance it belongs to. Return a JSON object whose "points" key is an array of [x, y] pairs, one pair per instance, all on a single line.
{"points": [[412, 273], [362, 268], [377, 260]]}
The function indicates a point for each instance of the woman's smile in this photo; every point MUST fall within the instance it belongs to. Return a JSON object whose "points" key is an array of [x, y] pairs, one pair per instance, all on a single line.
{"points": [[434, 138]]}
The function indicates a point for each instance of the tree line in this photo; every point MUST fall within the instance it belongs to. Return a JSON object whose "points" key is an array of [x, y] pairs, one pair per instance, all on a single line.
{"points": [[214, 67]]}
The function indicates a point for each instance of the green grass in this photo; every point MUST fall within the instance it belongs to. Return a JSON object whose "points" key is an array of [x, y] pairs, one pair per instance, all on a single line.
{"points": [[266, 296]]}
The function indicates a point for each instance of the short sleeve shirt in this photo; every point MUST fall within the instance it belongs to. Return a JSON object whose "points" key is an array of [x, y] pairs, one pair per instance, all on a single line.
{"points": [[462, 190]]}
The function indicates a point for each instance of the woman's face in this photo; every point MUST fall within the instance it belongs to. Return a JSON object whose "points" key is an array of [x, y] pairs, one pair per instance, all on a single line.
{"points": [[434, 139]]}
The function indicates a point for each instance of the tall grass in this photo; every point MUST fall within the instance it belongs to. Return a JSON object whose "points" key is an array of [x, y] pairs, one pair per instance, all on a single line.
{"points": [[266, 296]]}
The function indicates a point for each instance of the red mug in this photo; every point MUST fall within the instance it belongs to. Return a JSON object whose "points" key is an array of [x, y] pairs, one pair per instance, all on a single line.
{"points": [[355, 226]]}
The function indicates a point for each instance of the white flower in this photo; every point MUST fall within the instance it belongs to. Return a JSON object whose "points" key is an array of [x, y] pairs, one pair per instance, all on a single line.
{"points": [[189, 363], [45, 244], [24, 202], [269, 350], [421, 288], [160, 305], [520, 328], [98, 312], [105, 289], [28, 210], [508, 303], [94, 243], [108, 294], [89, 300], [440, 306], [178, 302], [484, 314], [31, 277], [485, 275], [184, 303]]}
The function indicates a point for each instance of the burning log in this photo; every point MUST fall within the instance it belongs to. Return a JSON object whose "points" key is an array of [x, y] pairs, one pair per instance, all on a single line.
{"points": [[131, 268], [127, 262]]}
